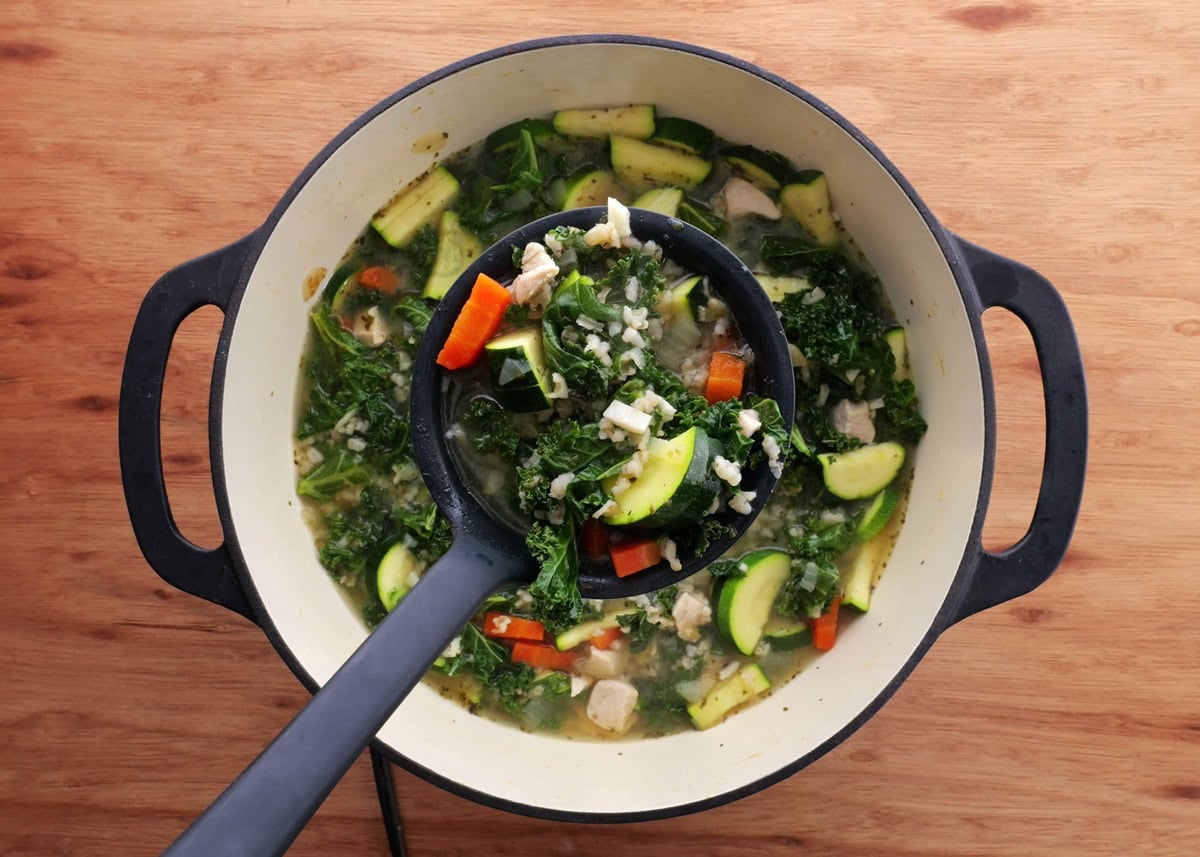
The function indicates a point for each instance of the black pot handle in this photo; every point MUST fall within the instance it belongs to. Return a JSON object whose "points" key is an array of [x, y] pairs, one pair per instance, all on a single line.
{"points": [[1001, 282], [208, 280]]}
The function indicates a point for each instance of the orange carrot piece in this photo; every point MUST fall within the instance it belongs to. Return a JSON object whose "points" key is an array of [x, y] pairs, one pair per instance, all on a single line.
{"points": [[725, 375], [379, 278], [508, 627], [824, 628], [606, 638], [594, 538], [541, 655], [630, 557], [478, 321]]}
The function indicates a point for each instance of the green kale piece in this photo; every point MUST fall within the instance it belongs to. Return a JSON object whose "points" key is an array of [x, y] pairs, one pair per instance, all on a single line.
{"points": [[340, 469], [356, 537], [812, 582], [421, 252], [556, 600], [426, 528], [490, 429]]}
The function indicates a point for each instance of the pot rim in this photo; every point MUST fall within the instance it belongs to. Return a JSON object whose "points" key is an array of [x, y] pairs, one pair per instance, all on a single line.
{"points": [[945, 616]]}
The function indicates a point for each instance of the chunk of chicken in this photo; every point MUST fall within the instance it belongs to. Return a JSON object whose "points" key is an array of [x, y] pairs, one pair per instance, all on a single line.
{"points": [[611, 705], [690, 612], [532, 286], [370, 328], [743, 198], [604, 663], [853, 419]]}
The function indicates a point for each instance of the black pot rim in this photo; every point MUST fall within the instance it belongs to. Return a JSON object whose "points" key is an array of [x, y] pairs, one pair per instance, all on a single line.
{"points": [[967, 564]]}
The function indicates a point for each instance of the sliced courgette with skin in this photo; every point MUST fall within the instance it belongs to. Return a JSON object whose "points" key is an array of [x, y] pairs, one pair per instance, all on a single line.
{"points": [[664, 200], [590, 187], [457, 248], [785, 634], [418, 205], [584, 631], [898, 342], [769, 170], [341, 286], [676, 485], [878, 513], [684, 135], [858, 578], [744, 603], [517, 367], [642, 163], [806, 198], [862, 472], [778, 288], [700, 215], [681, 332], [745, 684], [505, 139], [392, 575], [636, 121]]}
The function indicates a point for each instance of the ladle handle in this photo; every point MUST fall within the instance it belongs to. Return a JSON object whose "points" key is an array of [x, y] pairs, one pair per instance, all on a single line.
{"points": [[264, 809]]}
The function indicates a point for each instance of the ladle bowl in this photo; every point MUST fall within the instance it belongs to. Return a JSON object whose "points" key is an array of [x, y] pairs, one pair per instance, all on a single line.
{"points": [[265, 808]]}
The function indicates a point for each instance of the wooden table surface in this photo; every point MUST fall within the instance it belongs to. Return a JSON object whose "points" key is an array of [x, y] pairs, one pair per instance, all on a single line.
{"points": [[138, 134]]}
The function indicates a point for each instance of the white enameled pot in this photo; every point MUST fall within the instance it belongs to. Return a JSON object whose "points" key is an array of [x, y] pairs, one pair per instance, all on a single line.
{"points": [[267, 568]]}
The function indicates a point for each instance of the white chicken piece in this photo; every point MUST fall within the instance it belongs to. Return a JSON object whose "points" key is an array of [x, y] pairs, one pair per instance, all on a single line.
{"points": [[370, 328], [604, 663], [690, 612], [743, 198], [611, 705], [532, 286], [853, 419], [616, 232]]}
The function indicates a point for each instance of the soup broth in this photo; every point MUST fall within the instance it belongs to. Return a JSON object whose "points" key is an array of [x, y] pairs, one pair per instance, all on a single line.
{"points": [[542, 658]]}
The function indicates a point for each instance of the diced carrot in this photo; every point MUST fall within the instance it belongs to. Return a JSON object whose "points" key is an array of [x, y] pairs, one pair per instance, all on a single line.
{"points": [[824, 628], [543, 656], [380, 278], [725, 375], [508, 627], [606, 638], [630, 557], [594, 537], [478, 321]]}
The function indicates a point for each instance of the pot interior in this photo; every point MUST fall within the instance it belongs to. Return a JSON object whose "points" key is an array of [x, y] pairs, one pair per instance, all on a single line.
{"points": [[304, 609]]}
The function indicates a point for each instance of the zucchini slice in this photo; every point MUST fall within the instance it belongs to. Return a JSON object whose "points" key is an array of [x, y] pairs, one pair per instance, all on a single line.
{"points": [[677, 483], [644, 163], [392, 573], [778, 288], [681, 332], [769, 170], [664, 200], [785, 634], [684, 135], [505, 139], [878, 513], [858, 578], [806, 198], [517, 366], [584, 631], [744, 603], [416, 206], [635, 121], [898, 342], [862, 472], [341, 286], [457, 248], [590, 187], [745, 684]]}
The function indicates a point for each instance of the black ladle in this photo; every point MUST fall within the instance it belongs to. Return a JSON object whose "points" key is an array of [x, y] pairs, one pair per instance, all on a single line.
{"points": [[265, 808]]}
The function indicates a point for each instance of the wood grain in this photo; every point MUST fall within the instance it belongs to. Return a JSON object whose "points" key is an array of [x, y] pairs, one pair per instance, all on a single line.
{"points": [[136, 135]]}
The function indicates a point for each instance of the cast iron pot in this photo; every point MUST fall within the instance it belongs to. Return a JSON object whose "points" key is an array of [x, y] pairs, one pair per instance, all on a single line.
{"points": [[267, 569]]}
